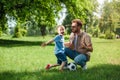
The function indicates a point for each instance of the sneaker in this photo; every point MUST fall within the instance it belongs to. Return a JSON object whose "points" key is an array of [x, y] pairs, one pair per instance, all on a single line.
{"points": [[48, 66], [65, 67], [84, 67]]}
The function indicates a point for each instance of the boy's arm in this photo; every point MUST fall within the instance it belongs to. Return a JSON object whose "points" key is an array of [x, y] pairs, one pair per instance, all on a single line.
{"points": [[46, 43]]}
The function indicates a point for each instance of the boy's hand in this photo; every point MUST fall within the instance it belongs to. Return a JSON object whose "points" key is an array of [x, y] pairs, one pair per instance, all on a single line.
{"points": [[43, 44]]}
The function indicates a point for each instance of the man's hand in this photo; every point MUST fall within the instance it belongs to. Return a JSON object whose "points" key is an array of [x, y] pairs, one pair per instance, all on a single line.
{"points": [[88, 47], [83, 46]]}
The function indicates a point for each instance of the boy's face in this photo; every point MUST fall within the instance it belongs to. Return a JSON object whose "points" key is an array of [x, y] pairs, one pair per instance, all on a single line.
{"points": [[61, 30]]}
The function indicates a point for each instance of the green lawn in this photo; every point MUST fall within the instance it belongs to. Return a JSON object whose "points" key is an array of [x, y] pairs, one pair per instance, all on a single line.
{"points": [[24, 59]]}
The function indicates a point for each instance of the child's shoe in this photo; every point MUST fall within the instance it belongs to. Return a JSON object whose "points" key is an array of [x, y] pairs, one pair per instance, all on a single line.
{"points": [[84, 67], [48, 66]]}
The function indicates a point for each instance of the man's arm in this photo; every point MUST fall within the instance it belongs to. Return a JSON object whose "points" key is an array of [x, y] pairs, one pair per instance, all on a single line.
{"points": [[90, 48], [87, 44], [87, 47]]}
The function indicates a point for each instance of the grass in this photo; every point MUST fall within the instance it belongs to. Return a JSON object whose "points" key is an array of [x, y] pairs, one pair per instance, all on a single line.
{"points": [[24, 59]]}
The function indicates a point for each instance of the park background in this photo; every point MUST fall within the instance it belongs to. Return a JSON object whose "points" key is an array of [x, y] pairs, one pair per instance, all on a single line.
{"points": [[25, 24]]}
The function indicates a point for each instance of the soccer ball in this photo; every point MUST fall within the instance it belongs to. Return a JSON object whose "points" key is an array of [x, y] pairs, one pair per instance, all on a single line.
{"points": [[71, 66]]}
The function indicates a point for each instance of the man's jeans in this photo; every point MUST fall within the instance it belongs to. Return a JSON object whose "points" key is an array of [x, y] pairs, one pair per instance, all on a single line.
{"points": [[79, 58]]}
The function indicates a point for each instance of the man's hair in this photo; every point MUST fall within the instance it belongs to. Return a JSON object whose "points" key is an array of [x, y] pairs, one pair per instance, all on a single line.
{"points": [[78, 21]]}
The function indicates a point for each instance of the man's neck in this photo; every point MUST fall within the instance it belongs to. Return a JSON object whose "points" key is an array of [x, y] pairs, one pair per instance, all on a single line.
{"points": [[78, 32]]}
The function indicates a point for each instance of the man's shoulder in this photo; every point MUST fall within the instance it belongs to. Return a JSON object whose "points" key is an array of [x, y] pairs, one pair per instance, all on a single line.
{"points": [[85, 34]]}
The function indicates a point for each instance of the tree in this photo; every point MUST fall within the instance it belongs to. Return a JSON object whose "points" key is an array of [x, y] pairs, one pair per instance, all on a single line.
{"points": [[43, 11], [22, 10], [110, 17], [82, 9]]}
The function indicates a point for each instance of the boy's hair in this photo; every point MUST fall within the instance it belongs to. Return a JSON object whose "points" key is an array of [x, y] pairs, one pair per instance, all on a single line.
{"points": [[60, 26], [78, 21]]}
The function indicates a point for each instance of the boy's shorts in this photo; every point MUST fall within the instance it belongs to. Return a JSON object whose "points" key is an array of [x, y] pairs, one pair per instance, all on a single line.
{"points": [[61, 57]]}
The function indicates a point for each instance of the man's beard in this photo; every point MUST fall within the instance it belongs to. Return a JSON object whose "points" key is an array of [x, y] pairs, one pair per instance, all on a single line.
{"points": [[75, 31]]}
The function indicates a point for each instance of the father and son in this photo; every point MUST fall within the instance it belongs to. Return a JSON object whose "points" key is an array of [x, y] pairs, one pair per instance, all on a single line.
{"points": [[78, 48]]}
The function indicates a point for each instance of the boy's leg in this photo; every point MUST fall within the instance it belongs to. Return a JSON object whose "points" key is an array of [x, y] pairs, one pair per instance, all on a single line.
{"points": [[54, 65], [51, 65], [62, 60], [62, 65], [58, 63]]}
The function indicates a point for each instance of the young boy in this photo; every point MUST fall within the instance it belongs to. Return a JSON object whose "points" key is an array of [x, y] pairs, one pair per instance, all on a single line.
{"points": [[59, 48]]}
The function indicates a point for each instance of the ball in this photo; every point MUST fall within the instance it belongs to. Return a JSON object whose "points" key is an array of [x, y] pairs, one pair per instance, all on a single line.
{"points": [[71, 66]]}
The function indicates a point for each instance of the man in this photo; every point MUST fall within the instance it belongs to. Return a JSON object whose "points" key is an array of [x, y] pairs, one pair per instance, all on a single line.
{"points": [[79, 46]]}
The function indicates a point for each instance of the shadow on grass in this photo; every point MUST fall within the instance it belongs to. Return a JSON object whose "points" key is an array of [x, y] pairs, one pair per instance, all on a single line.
{"points": [[100, 72], [15, 43]]}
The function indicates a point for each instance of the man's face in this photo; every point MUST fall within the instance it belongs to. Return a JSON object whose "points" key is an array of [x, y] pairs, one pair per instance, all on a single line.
{"points": [[74, 28]]}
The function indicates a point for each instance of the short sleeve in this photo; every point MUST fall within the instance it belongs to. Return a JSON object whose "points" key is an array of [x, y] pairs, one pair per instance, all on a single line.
{"points": [[88, 40], [56, 38]]}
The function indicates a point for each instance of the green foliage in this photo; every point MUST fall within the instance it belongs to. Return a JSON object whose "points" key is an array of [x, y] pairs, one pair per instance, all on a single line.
{"points": [[102, 36], [38, 12], [95, 32], [17, 35], [67, 22], [109, 35], [28, 10], [19, 32], [0, 32], [23, 32], [82, 9], [110, 16], [117, 31]]}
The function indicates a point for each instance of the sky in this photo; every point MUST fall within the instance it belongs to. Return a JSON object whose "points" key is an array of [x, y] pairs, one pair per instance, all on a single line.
{"points": [[100, 6], [62, 16], [100, 1]]}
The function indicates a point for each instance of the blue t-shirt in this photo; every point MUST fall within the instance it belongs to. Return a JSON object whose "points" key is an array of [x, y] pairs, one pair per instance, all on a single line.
{"points": [[59, 44]]}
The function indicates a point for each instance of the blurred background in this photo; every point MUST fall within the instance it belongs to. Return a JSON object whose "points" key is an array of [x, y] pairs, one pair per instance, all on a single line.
{"points": [[20, 18]]}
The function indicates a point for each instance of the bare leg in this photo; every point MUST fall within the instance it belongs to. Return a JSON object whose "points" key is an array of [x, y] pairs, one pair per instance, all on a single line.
{"points": [[62, 65], [54, 65]]}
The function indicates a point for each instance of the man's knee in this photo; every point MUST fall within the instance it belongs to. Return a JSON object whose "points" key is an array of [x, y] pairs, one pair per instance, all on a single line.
{"points": [[80, 60], [67, 49], [77, 60]]}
